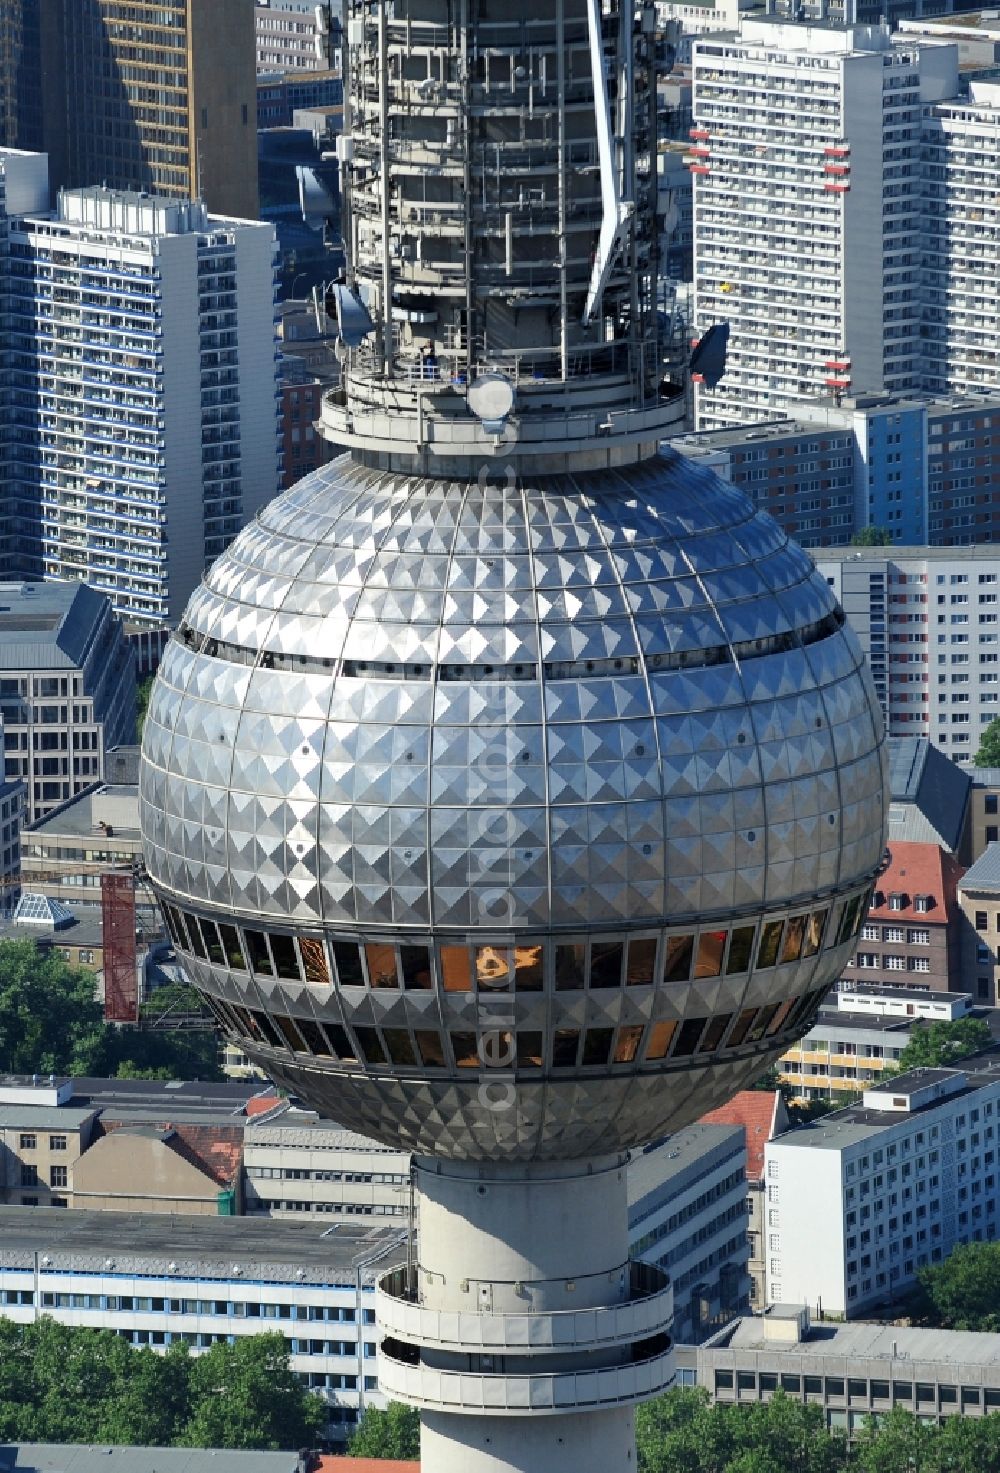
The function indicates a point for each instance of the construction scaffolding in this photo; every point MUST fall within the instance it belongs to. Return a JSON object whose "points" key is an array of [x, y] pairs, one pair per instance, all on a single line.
{"points": [[121, 988]]}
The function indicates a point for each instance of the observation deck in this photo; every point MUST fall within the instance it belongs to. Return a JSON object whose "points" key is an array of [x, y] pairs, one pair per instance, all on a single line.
{"points": [[477, 1360]]}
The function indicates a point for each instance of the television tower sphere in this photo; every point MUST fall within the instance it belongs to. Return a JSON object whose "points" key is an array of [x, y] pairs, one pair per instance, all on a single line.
{"points": [[512, 788]]}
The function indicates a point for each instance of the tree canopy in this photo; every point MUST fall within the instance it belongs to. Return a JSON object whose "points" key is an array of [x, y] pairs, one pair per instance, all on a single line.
{"points": [[392, 1433], [872, 537], [52, 1023], [963, 1292], [933, 1045], [62, 1383], [989, 746]]}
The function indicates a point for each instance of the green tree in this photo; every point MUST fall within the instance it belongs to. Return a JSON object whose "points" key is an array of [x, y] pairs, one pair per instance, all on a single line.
{"points": [[989, 746], [392, 1433], [963, 1292], [52, 1023], [872, 537], [143, 692], [683, 1433], [933, 1045], [898, 1442], [50, 1019], [246, 1395]]}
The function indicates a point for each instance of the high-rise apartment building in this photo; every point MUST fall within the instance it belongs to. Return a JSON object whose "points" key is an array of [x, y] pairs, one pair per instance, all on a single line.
{"points": [[960, 222], [806, 153], [929, 622], [23, 187], [154, 95], [144, 336]]}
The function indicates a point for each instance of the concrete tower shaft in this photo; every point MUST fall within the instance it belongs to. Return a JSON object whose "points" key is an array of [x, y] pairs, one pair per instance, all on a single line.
{"points": [[500, 218]]}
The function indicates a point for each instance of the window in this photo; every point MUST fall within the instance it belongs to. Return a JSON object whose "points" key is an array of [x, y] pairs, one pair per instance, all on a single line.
{"points": [[57, 1143], [27, 1143], [59, 1176]]}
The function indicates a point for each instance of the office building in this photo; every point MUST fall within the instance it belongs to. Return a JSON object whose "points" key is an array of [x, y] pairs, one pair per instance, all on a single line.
{"points": [[761, 1114], [859, 1033], [280, 96], [859, 1201], [687, 1196], [297, 35], [11, 808], [154, 1279], [67, 689], [853, 1372], [303, 448], [912, 932], [145, 332], [806, 150], [979, 901], [297, 1163], [917, 466], [157, 98], [64, 854], [688, 1215]]}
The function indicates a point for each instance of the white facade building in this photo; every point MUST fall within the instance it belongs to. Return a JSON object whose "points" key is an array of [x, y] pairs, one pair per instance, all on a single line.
{"points": [[806, 148], [154, 1280], [145, 335], [299, 1164], [929, 621], [961, 226], [859, 1202]]}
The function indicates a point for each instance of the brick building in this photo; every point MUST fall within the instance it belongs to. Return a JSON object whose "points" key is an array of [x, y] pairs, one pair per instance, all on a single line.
{"points": [[912, 936]]}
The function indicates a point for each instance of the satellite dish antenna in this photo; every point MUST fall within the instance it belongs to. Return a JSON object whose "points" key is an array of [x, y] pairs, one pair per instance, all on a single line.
{"points": [[491, 399]]}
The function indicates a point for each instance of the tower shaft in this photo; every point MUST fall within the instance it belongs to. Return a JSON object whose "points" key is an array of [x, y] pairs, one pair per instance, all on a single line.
{"points": [[524, 1313], [500, 221]]}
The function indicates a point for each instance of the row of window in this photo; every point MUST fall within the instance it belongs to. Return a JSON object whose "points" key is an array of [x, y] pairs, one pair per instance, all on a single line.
{"points": [[156, 1304], [889, 963], [634, 961], [569, 1048], [856, 1390], [897, 934], [28, 1141]]}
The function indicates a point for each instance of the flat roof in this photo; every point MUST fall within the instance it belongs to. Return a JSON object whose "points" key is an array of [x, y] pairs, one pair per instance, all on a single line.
{"points": [[652, 1168], [43, 1457], [77, 815], [831, 1019], [271, 1249], [45, 1117], [857, 1122], [977, 553], [293, 1128], [859, 1341]]}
